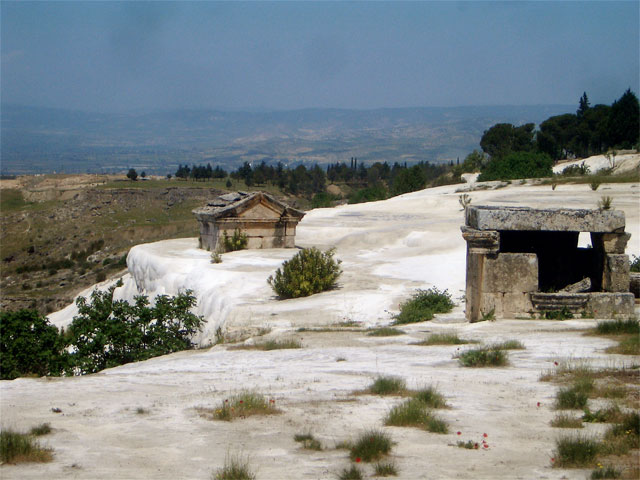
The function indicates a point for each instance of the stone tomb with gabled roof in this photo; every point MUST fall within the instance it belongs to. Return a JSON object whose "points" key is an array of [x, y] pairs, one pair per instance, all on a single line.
{"points": [[267, 222], [522, 261]]}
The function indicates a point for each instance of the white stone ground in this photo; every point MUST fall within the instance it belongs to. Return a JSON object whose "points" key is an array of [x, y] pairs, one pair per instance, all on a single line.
{"points": [[388, 250]]}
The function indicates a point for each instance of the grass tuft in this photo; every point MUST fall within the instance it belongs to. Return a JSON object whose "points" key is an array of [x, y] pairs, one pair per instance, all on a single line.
{"points": [[309, 442], [618, 327], [423, 305], [575, 451], [629, 345], [509, 345], [385, 332], [445, 338], [18, 447], [388, 386], [351, 473], [269, 345], [605, 472], [414, 413], [39, 430], [385, 469], [371, 445], [574, 397], [235, 468], [612, 414], [430, 397], [482, 357], [244, 405], [562, 420]]}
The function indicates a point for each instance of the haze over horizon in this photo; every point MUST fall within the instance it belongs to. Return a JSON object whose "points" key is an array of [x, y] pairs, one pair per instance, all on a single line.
{"points": [[128, 56]]}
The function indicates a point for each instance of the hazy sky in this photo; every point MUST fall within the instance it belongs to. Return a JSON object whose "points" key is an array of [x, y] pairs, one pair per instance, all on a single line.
{"points": [[121, 56]]}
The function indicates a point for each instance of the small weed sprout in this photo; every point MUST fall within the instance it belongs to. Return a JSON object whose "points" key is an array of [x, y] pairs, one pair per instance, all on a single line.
{"points": [[594, 184], [235, 468], [423, 305], [216, 257], [142, 411], [489, 316], [605, 203], [371, 445], [464, 201]]}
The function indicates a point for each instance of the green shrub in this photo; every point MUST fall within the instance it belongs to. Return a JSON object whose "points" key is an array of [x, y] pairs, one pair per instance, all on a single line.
{"points": [[18, 447], [634, 264], [575, 170], [323, 200], [483, 357], [388, 386], [575, 451], [415, 413], [369, 194], [371, 445], [517, 165], [235, 468], [29, 345], [236, 242], [423, 305], [307, 272]]}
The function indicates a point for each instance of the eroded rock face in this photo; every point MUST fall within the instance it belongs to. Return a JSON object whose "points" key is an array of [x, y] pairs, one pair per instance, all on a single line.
{"points": [[515, 253]]}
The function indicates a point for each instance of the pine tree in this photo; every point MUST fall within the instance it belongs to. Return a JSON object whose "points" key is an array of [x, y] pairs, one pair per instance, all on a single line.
{"points": [[583, 106]]}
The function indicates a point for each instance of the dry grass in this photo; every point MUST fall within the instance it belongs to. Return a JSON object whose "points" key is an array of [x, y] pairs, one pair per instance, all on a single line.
{"points": [[444, 338], [563, 420], [245, 404], [18, 447], [269, 345]]}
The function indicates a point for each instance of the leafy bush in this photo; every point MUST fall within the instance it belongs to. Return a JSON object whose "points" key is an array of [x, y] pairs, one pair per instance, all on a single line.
{"points": [[370, 446], [575, 170], [307, 272], [423, 305], [18, 447], [238, 241], [29, 345], [323, 200], [107, 333], [517, 165], [369, 194]]}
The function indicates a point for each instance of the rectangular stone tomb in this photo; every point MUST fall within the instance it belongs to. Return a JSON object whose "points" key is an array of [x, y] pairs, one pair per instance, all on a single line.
{"points": [[523, 261], [267, 222]]}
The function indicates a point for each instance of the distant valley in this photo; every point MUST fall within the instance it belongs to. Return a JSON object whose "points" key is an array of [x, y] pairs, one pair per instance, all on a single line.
{"points": [[42, 140]]}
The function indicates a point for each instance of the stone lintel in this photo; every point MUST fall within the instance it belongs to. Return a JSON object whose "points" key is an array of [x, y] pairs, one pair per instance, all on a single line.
{"points": [[554, 220], [483, 242]]}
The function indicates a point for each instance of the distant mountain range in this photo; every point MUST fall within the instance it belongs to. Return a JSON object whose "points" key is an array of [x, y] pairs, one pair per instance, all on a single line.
{"points": [[45, 140]]}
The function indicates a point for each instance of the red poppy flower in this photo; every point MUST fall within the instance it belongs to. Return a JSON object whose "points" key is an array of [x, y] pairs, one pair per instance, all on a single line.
{"points": [[485, 435], [539, 404], [486, 445], [459, 433], [553, 460], [555, 363], [476, 446], [358, 459]]}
